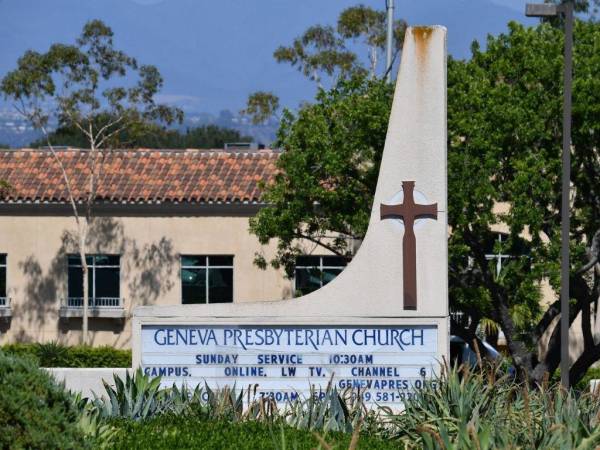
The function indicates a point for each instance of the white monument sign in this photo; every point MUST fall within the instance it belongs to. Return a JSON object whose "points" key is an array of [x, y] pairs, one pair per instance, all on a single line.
{"points": [[382, 324]]}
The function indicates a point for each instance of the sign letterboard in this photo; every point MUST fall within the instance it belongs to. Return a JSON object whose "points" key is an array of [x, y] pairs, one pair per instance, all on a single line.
{"points": [[386, 363]]}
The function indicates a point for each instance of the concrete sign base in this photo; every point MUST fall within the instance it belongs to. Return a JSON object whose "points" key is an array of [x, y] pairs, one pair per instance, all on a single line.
{"points": [[382, 324]]}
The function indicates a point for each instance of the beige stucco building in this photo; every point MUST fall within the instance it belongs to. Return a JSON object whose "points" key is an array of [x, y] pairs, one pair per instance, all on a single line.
{"points": [[169, 227]]}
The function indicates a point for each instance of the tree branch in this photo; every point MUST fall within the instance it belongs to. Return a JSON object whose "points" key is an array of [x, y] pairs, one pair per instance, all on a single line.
{"points": [[109, 135], [318, 242], [65, 176], [594, 254], [583, 363], [106, 127]]}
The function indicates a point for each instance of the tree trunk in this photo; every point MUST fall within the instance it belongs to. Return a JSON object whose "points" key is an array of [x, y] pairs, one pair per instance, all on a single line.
{"points": [[373, 59], [86, 293]]}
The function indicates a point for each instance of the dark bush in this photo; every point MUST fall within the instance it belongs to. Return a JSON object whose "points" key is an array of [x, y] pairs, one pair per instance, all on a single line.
{"points": [[170, 431], [56, 355], [35, 412]]}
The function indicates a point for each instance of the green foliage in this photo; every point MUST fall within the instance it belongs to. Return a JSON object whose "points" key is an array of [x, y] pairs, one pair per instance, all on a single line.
{"points": [[137, 397], [465, 410], [504, 139], [329, 169], [171, 431], [35, 412], [593, 373], [505, 122], [585, 6], [332, 411], [140, 397], [149, 136], [370, 25], [55, 355], [324, 53], [261, 106], [319, 51], [97, 89], [77, 85], [462, 409]]}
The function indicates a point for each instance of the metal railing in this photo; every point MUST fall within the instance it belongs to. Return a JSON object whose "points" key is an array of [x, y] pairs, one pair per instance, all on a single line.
{"points": [[97, 302], [4, 302]]}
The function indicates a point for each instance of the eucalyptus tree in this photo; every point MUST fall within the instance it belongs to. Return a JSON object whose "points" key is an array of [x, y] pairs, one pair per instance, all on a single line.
{"points": [[100, 91], [327, 54]]}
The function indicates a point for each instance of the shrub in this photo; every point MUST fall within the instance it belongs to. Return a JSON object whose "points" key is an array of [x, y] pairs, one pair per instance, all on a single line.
{"points": [[466, 409], [35, 412], [57, 355], [171, 431]]}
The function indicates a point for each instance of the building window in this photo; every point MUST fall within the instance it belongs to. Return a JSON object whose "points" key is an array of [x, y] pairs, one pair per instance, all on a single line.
{"points": [[103, 280], [3, 301], [497, 255], [206, 279], [314, 272]]}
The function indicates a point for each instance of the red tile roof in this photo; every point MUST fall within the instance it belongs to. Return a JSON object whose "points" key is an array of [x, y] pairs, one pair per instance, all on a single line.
{"points": [[196, 176]]}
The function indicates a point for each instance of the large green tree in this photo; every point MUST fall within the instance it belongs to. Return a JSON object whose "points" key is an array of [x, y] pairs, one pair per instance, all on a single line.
{"points": [[96, 89], [505, 136], [505, 122], [328, 171]]}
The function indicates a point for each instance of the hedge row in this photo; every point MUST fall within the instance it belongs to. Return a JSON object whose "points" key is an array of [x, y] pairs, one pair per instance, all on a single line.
{"points": [[56, 355], [170, 431]]}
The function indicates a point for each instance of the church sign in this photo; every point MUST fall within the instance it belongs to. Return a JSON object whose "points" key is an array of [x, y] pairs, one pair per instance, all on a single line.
{"points": [[387, 363], [381, 327]]}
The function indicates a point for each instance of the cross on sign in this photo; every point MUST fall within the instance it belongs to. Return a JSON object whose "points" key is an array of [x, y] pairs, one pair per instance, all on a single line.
{"points": [[409, 211]]}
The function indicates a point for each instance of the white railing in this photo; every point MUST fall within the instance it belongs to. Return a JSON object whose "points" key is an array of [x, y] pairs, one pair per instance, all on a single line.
{"points": [[4, 302], [97, 302]]}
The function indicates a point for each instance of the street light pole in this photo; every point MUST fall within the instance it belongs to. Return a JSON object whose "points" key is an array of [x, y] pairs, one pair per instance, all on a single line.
{"points": [[567, 10], [389, 4], [545, 10]]}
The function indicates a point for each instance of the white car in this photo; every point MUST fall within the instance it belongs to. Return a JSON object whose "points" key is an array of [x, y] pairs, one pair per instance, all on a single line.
{"points": [[462, 352]]}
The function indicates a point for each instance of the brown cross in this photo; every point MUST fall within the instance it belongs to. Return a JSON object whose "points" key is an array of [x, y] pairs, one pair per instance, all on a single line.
{"points": [[409, 211]]}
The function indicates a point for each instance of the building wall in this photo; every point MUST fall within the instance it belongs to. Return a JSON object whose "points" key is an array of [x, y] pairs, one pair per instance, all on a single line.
{"points": [[150, 248]]}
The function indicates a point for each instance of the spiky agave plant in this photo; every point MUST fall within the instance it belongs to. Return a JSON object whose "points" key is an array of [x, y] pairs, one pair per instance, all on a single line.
{"points": [[137, 397], [468, 409], [329, 410]]}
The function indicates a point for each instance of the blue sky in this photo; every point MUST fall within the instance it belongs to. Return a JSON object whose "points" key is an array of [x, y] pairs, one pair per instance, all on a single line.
{"points": [[213, 53]]}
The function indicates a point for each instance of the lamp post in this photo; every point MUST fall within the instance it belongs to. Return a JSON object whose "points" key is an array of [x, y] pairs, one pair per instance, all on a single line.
{"points": [[549, 10], [389, 6]]}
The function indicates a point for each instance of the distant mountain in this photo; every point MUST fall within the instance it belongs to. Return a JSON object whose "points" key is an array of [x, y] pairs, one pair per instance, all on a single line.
{"points": [[213, 53]]}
